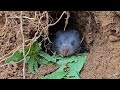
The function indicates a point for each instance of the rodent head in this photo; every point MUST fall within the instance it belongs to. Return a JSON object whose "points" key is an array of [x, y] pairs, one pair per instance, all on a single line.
{"points": [[66, 42]]}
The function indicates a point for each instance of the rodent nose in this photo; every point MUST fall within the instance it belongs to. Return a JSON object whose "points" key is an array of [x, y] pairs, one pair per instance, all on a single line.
{"points": [[65, 52]]}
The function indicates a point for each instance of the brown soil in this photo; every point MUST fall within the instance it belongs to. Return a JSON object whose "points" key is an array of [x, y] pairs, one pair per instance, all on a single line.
{"points": [[101, 30], [104, 57]]}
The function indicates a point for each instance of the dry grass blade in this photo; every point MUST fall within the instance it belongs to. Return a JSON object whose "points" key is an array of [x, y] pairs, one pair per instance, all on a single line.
{"points": [[23, 45], [67, 18], [64, 12]]}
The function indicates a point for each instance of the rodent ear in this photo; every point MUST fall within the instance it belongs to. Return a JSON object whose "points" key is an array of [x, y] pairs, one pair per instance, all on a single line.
{"points": [[58, 33], [77, 33]]}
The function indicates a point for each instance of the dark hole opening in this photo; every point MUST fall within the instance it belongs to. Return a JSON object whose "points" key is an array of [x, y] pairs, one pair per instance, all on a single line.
{"points": [[72, 24]]}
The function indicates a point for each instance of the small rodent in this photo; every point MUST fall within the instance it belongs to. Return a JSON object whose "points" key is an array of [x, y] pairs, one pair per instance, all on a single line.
{"points": [[67, 42]]}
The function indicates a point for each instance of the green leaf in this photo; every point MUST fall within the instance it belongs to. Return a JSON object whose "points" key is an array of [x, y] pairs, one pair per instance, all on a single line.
{"points": [[18, 55], [39, 44], [56, 56], [31, 63], [27, 59], [58, 74], [81, 61], [43, 61], [36, 66], [41, 77], [65, 60], [72, 73], [30, 58], [34, 49], [26, 49], [77, 66], [10, 59], [74, 77], [47, 56]]}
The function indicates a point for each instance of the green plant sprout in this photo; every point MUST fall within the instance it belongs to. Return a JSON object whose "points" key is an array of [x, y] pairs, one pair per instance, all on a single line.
{"points": [[69, 67]]}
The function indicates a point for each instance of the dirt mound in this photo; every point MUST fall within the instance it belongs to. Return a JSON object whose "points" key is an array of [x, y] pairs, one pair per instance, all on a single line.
{"points": [[104, 56]]}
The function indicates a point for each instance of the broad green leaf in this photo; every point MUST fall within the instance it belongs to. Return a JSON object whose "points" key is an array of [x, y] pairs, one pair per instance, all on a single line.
{"points": [[77, 66], [81, 61], [65, 60], [27, 59], [26, 49], [10, 59], [74, 77], [41, 77], [30, 58], [47, 56], [43, 61], [34, 49], [36, 66], [58, 74], [72, 73], [31, 63], [39, 44], [18, 55], [56, 56]]}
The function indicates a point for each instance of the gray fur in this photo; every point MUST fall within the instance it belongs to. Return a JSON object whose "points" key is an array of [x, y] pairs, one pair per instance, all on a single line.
{"points": [[66, 40]]}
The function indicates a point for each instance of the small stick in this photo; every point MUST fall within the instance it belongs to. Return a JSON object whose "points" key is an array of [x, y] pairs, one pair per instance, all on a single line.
{"points": [[23, 45]]}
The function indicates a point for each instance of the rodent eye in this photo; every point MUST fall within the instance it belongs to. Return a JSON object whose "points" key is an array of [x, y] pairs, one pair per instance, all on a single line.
{"points": [[72, 42]]}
